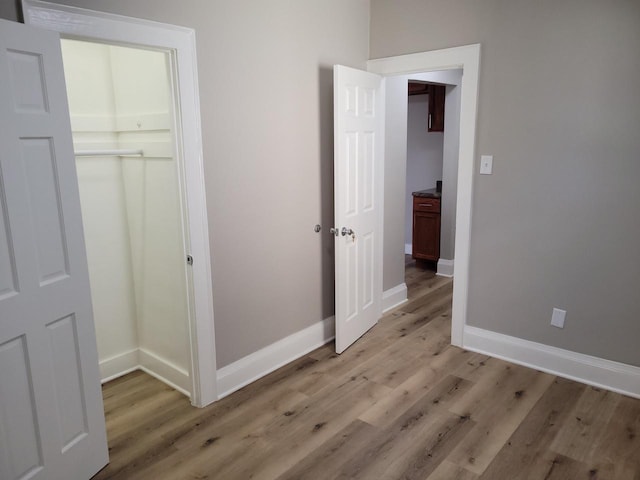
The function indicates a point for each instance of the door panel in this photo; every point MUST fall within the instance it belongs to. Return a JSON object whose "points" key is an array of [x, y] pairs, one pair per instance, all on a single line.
{"points": [[51, 414], [39, 171], [67, 380], [358, 123], [20, 442]]}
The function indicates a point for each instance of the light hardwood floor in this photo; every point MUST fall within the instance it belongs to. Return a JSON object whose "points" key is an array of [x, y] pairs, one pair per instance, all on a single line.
{"points": [[401, 403]]}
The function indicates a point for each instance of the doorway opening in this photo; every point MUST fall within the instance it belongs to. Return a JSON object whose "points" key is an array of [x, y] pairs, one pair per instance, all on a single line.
{"points": [[432, 134], [129, 173], [178, 45], [467, 59]]}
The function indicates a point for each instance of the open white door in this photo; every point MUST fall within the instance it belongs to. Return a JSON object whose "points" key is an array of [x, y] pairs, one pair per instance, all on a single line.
{"points": [[51, 415], [358, 191]]}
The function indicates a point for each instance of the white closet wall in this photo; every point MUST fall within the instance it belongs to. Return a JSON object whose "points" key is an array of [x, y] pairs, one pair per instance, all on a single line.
{"points": [[120, 98]]}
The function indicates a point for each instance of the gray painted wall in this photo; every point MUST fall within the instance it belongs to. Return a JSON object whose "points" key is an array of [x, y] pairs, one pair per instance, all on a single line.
{"points": [[265, 73], [557, 224], [395, 178], [450, 149]]}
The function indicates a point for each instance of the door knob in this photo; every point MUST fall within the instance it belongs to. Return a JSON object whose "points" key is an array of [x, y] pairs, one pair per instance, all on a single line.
{"points": [[347, 231], [334, 231]]}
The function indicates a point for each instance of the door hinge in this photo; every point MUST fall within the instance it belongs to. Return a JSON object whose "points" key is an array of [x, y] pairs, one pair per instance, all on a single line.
{"points": [[189, 260]]}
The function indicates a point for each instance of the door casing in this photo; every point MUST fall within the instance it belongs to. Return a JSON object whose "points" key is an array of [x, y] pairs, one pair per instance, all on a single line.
{"points": [[468, 59], [179, 43]]}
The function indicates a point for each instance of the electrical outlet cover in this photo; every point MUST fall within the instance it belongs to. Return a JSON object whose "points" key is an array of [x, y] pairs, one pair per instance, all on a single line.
{"points": [[486, 164], [557, 317]]}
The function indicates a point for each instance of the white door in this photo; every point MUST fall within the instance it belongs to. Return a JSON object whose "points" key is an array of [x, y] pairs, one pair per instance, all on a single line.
{"points": [[51, 416], [358, 192]]}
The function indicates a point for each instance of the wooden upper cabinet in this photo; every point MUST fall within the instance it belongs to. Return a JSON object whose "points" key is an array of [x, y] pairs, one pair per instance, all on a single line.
{"points": [[416, 88], [436, 103], [436, 108]]}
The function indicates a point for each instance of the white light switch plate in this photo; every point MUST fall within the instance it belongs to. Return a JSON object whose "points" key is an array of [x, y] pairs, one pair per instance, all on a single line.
{"points": [[557, 317], [486, 164]]}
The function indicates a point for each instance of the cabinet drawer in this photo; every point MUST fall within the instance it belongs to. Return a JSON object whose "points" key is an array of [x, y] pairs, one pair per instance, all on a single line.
{"points": [[426, 204]]}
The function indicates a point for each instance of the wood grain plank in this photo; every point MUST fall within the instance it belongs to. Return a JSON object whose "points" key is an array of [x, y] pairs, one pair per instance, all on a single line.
{"points": [[536, 432], [585, 427], [449, 471], [407, 443], [620, 440], [510, 402], [329, 458], [419, 386]]}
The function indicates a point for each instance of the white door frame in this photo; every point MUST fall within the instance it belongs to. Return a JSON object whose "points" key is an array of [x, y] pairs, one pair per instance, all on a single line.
{"points": [[468, 58], [82, 24]]}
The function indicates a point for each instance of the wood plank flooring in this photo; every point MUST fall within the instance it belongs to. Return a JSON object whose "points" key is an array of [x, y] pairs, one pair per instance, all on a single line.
{"points": [[399, 404]]}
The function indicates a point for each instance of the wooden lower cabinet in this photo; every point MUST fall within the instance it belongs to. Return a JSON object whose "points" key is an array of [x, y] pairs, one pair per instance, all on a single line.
{"points": [[426, 228]]}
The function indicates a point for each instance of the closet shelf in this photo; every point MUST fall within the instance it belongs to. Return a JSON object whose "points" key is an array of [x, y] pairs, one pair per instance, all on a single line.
{"points": [[109, 153]]}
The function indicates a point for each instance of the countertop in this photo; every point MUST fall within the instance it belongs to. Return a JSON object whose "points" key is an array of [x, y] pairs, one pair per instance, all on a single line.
{"points": [[428, 193]]}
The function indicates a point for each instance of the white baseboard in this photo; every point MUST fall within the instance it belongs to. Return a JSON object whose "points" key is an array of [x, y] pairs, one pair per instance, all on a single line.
{"points": [[408, 249], [252, 367], [445, 268], [607, 374], [119, 365], [140, 359], [165, 371], [393, 297]]}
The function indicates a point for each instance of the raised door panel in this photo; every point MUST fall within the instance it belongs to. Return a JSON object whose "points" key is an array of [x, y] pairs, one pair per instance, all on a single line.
{"points": [[20, 438]]}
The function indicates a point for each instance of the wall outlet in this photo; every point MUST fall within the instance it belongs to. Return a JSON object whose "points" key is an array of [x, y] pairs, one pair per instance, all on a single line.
{"points": [[557, 317]]}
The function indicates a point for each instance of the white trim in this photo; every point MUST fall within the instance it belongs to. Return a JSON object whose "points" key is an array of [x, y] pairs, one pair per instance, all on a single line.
{"points": [[614, 376], [179, 42], [163, 380], [141, 359], [408, 249], [164, 370], [445, 268], [118, 365], [258, 364], [467, 58], [394, 297]]}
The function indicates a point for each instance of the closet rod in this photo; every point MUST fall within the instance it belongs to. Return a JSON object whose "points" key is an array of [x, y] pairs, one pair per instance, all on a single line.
{"points": [[108, 153]]}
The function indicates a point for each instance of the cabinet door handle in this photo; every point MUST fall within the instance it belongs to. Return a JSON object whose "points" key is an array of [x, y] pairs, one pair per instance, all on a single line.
{"points": [[425, 204], [429, 122]]}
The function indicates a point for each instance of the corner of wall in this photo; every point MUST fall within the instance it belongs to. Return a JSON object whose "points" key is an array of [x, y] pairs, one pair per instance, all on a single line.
{"points": [[445, 268], [268, 359], [394, 297]]}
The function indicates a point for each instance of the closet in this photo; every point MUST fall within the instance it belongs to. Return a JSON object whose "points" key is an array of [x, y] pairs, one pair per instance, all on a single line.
{"points": [[121, 108]]}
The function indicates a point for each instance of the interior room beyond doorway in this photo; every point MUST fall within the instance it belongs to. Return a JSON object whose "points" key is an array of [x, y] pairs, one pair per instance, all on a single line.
{"points": [[431, 149]]}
